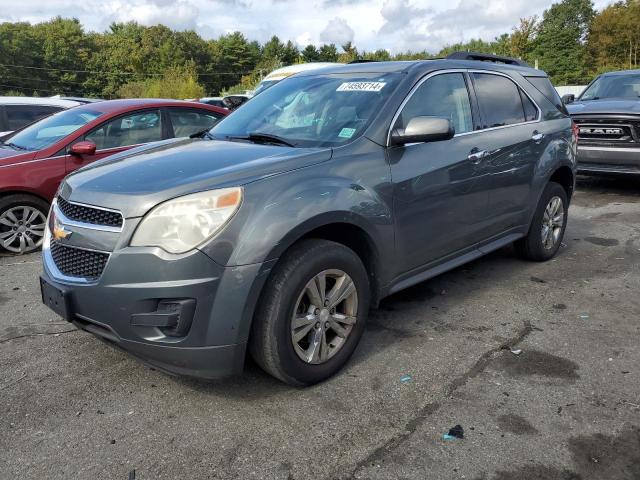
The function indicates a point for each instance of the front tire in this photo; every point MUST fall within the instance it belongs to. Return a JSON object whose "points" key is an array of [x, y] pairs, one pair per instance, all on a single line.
{"points": [[311, 314], [23, 220], [547, 227]]}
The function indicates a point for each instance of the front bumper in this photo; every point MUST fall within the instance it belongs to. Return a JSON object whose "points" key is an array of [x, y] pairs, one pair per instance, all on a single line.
{"points": [[134, 283], [596, 159]]}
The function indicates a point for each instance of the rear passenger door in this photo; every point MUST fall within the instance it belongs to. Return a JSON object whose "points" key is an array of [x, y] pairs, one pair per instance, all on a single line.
{"points": [[511, 144], [440, 195], [187, 121]]}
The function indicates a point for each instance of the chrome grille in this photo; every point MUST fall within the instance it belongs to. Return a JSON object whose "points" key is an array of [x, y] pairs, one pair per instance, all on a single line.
{"points": [[85, 214], [613, 132], [77, 262]]}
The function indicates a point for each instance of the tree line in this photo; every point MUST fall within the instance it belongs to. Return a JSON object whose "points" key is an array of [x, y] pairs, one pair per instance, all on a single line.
{"points": [[571, 41]]}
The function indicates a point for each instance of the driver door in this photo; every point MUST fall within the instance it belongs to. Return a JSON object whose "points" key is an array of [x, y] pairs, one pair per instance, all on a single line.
{"points": [[440, 189], [119, 134]]}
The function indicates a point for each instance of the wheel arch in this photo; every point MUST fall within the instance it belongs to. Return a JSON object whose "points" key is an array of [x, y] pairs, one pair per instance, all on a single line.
{"points": [[7, 193], [349, 230], [564, 176]]}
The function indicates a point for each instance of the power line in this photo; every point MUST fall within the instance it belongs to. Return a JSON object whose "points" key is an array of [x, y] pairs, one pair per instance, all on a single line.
{"points": [[75, 93], [44, 80], [104, 72]]}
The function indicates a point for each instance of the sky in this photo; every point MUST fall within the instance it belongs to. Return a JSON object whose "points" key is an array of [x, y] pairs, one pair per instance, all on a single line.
{"points": [[393, 25]]}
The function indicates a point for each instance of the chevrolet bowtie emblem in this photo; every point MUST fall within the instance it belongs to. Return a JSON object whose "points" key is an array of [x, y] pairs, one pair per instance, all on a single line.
{"points": [[59, 232]]}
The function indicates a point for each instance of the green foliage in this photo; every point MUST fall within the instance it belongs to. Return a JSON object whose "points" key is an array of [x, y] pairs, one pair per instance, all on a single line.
{"points": [[176, 82], [614, 38], [570, 41], [232, 56], [559, 44], [349, 53], [310, 54], [328, 53], [14, 93], [18, 46]]}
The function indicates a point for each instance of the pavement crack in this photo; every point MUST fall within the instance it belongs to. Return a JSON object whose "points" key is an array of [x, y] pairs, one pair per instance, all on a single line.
{"points": [[13, 382], [37, 335], [485, 358], [431, 408]]}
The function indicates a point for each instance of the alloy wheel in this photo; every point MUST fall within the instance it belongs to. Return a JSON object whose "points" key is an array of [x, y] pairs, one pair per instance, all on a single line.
{"points": [[22, 229], [552, 223], [325, 314]]}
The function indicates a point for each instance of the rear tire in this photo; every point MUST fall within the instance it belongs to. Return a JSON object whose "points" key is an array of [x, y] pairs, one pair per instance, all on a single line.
{"points": [[547, 227], [23, 220], [294, 339]]}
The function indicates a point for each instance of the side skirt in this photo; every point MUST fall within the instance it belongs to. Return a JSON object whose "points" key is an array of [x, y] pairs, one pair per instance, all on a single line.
{"points": [[429, 271]]}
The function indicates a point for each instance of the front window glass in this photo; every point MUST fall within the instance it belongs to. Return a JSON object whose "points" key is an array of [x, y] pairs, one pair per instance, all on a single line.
{"points": [[613, 86], [133, 129], [444, 96], [48, 131], [312, 111]]}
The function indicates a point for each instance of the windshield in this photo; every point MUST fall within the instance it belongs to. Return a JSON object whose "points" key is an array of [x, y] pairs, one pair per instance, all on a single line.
{"points": [[48, 131], [312, 111], [613, 86]]}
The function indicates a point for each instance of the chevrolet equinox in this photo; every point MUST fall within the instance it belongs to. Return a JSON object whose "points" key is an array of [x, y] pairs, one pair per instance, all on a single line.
{"points": [[277, 230]]}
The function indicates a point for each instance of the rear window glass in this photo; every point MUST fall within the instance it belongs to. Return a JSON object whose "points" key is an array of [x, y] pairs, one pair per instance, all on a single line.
{"points": [[499, 100], [20, 115], [186, 122], [543, 85]]}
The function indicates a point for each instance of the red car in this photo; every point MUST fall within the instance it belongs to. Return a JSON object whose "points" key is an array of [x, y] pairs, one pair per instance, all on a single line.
{"points": [[35, 159]]}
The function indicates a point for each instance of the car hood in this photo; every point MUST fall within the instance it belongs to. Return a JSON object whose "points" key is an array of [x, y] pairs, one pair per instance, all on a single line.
{"points": [[9, 156], [605, 105], [135, 181]]}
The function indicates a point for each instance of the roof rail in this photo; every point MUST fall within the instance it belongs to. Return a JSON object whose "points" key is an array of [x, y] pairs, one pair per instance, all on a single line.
{"points": [[487, 57], [362, 60]]}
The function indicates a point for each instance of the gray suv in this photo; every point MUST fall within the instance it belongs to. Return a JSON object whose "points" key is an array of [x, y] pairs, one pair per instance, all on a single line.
{"points": [[276, 231]]}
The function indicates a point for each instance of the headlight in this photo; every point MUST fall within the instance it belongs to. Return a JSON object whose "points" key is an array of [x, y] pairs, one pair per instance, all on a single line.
{"points": [[181, 224]]}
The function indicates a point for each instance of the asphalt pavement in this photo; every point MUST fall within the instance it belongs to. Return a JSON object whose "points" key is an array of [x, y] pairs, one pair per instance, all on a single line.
{"points": [[538, 362]]}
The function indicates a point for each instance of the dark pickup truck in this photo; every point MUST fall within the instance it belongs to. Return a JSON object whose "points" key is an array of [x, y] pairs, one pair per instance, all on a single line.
{"points": [[607, 114]]}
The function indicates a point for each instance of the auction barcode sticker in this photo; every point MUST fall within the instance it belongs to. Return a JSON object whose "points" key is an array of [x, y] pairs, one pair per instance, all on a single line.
{"points": [[361, 87]]}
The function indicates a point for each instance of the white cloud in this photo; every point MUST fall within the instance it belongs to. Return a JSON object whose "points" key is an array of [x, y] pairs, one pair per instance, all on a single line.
{"points": [[399, 15], [337, 31], [180, 15], [395, 25], [304, 39]]}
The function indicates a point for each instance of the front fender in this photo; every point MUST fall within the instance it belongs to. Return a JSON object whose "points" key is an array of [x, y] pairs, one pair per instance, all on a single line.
{"points": [[278, 211]]}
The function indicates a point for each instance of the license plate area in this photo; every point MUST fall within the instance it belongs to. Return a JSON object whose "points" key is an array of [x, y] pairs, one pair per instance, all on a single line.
{"points": [[56, 299]]}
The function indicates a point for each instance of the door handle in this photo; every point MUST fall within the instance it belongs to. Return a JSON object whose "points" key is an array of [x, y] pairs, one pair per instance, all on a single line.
{"points": [[476, 156], [537, 136]]}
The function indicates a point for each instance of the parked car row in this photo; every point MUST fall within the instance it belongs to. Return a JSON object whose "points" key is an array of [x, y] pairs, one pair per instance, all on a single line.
{"points": [[274, 232]]}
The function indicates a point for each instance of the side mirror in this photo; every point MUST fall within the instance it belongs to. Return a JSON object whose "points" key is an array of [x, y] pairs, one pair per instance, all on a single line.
{"points": [[83, 148], [423, 129], [568, 98], [234, 101]]}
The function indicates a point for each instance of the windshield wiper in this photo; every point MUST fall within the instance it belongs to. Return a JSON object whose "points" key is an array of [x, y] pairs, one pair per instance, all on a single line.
{"points": [[258, 137], [17, 147], [202, 134]]}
